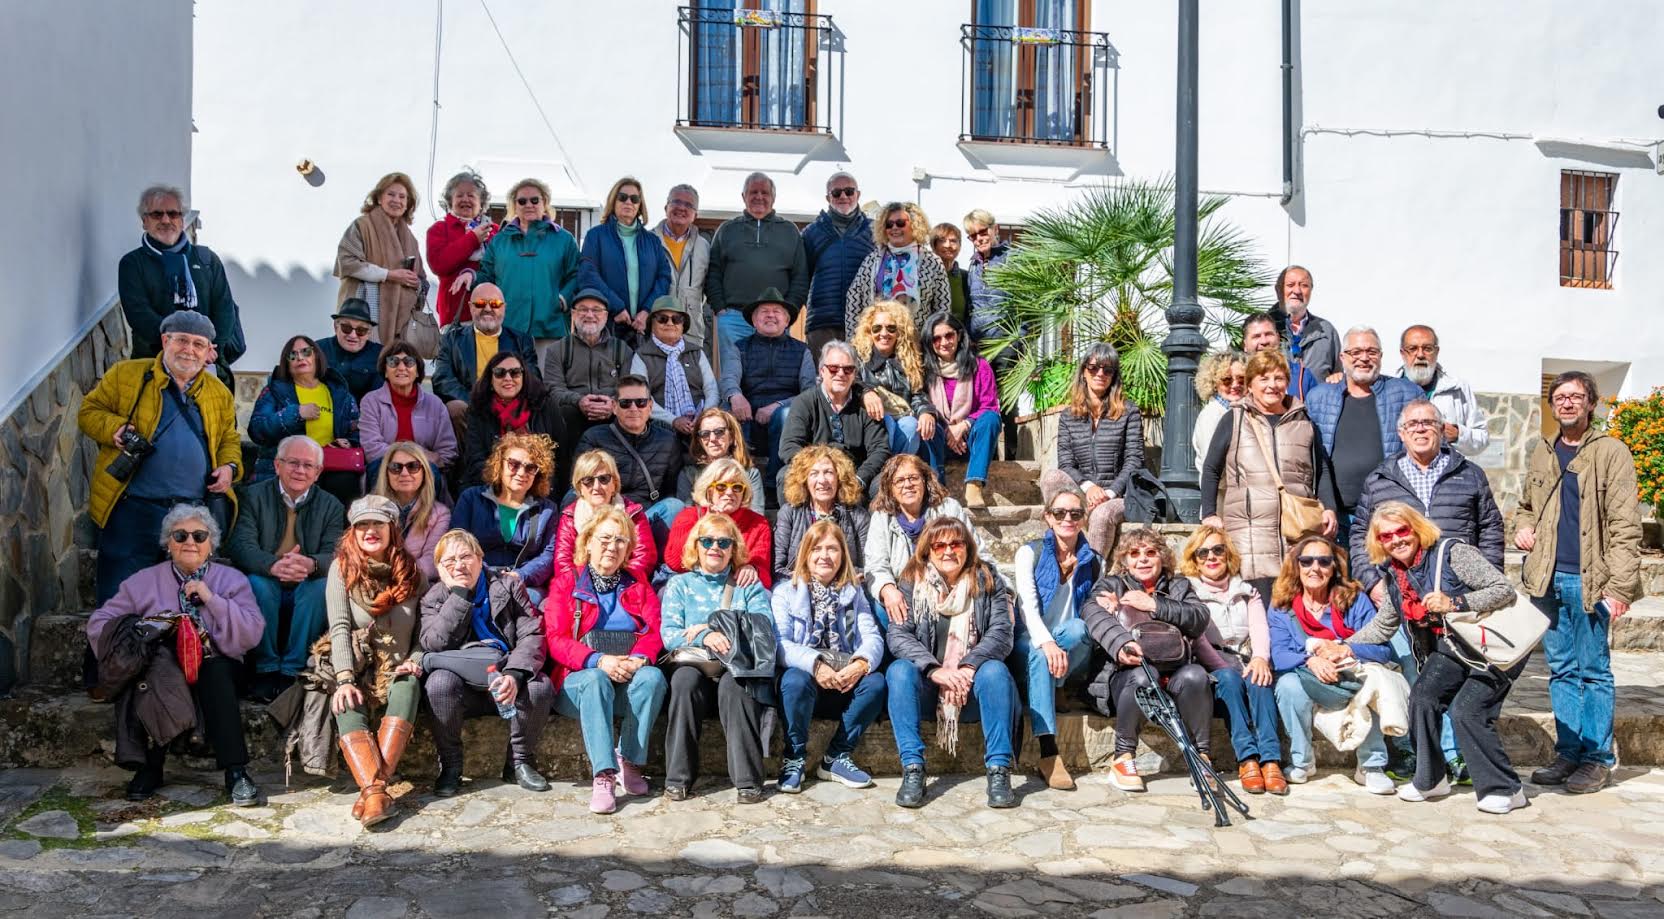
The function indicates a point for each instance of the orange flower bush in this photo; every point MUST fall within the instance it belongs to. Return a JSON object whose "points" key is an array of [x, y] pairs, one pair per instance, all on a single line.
{"points": [[1639, 423]]}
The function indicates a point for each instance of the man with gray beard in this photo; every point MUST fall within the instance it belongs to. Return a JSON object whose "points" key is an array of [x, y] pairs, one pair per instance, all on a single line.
{"points": [[466, 347], [1465, 425], [582, 371]]}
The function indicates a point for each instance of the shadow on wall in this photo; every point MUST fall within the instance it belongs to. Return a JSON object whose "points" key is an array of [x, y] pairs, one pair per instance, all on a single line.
{"points": [[275, 306]]}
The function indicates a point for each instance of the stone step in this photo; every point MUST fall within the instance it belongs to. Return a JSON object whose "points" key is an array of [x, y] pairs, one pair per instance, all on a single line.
{"points": [[46, 728]]}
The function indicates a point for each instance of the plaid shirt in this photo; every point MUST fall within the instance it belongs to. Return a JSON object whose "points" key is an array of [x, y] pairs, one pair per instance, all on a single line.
{"points": [[1422, 480]]}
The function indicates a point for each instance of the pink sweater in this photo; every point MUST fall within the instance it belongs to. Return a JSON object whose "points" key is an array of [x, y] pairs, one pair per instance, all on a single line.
{"points": [[985, 393], [1236, 604]]}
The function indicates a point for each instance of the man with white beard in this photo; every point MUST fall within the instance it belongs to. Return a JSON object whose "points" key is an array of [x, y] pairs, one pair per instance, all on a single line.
{"points": [[466, 347], [1465, 425], [581, 372]]}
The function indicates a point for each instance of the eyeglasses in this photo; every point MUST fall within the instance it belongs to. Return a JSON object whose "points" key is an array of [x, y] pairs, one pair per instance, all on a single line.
{"points": [[1144, 552], [352, 331], [843, 192], [515, 467], [839, 370], [1095, 369], [410, 468], [635, 403], [1321, 561], [1212, 551], [945, 336], [627, 198], [978, 234], [713, 433], [723, 488], [197, 536], [524, 202], [300, 354], [1355, 353], [503, 373], [492, 304], [682, 202], [612, 542], [401, 360], [907, 481], [1073, 514], [1403, 532], [885, 328], [158, 215], [716, 542], [667, 319], [1571, 398], [590, 481], [463, 558], [1420, 349], [301, 465], [947, 545], [1419, 424], [901, 224]]}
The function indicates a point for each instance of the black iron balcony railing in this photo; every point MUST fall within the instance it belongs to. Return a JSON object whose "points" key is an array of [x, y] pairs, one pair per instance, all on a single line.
{"points": [[755, 69], [1036, 85]]}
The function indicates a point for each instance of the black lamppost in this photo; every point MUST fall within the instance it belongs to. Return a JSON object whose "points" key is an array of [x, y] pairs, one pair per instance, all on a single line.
{"points": [[1185, 343]]}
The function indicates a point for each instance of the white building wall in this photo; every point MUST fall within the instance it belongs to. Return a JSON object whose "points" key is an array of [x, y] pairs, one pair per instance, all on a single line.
{"points": [[96, 99], [1454, 230]]}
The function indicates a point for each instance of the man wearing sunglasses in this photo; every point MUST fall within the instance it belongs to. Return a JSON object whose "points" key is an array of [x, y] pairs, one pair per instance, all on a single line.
{"points": [[836, 244], [832, 413], [466, 347], [681, 378], [690, 259], [348, 351], [168, 273], [648, 455]]}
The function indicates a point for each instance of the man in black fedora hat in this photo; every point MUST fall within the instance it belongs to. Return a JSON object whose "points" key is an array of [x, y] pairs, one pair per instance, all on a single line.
{"points": [[768, 371], [349, 351]]}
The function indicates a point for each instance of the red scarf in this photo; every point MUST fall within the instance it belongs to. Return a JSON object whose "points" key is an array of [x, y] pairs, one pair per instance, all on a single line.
{"points": [[512, 415], [1316, 629], [404, 407], [1409, 599]]}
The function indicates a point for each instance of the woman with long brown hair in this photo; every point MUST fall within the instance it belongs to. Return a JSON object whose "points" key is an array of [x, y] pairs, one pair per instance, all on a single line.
{"points": [[407, 479], [378, 261], [892, 372], [716, 434], [374, 594], [1100, 442]]}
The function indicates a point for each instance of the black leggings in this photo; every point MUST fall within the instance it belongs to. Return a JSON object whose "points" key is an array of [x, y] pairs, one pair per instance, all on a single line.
{"points": [[1188, 685]]}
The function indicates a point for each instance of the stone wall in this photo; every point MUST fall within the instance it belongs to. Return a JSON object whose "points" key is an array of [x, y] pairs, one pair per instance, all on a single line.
{"points": [[45, 465]]}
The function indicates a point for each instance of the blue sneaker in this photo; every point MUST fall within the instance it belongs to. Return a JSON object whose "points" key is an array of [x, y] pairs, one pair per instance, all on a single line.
{"points": [[791, 776], [843, 769]]}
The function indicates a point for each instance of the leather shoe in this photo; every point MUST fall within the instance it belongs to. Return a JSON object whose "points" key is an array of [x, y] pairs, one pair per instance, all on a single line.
{"points": [[911, 792], [528, 778], [145, 784], [1275, 782], [449, 781], [749, 795], [676, 792], [243, 791], [999, 787], [1056, 774], [1555, 773], [1589, 777], [1248, 773]]}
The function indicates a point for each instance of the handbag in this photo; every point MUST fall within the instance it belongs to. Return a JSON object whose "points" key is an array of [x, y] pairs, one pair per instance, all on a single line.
{"points": [[1164, 646], [1501, 638], [422, 332], [695, 656], [1296, 515], [1147, 500], [343, 459]]}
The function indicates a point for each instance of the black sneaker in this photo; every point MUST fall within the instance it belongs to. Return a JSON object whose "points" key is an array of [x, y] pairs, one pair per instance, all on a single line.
{"points": [[1556, 773], [911, 792], [999, 787], [268, 686], [145, 783], [449, 781], [241, 788]]}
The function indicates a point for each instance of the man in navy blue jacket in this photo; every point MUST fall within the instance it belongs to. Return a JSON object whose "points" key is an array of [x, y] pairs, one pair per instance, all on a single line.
{"points": [[836, 244]]}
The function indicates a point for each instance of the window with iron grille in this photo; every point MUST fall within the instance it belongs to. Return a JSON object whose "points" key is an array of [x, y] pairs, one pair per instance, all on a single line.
{"points": [[1587, 223], [752, 64], [1035, 74]]}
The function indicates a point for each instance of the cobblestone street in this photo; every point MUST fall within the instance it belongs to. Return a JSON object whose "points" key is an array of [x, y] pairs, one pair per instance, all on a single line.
{"points": [[71, 846]]}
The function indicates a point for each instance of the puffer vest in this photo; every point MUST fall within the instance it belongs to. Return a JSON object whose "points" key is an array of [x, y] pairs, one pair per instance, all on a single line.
{"points": [[1250, 508], [654, 360], [768, 368]]}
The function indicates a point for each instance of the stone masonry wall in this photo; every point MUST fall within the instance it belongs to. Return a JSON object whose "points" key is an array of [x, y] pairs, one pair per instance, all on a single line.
{"points": [[45, 465]]}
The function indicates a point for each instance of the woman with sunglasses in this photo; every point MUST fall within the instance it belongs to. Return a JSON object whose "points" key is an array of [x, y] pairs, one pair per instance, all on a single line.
{"points": [[456, 241], [909, 497], [901, 267], [407, 481], [507, 397], [679, 376], [821, 484], [1452, 679], [378, 261], [713, 551], [305, 396], [966, 403], [716, 434], [625, 260], [510, 514], [595, 485], [892, 372], [402, 410], [1100, 443], [722, 489], [1054, 575], [535, 262], [1323, 626], [1143, 588], [214, 604], [950, 654], [1237, 653], [1221, 382]]}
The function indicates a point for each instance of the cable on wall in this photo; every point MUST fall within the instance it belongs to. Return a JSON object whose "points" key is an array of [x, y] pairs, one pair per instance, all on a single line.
{"points": [[433, 129], [571, 167]]}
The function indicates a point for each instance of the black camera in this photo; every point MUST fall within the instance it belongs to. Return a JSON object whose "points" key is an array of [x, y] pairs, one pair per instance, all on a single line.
{"points": [[134, 448]]}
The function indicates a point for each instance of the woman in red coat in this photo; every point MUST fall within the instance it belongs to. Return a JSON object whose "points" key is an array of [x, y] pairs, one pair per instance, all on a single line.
{"points": [[725, 488], [595, 481], [456, 240]]}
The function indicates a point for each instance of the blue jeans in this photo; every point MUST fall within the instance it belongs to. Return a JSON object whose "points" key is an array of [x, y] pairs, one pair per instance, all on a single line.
{"points": [[766, 452], [1251, 714], [983, 438], [595, 701], [129, 542], [1407, 665], [1579, 673], [308, 619], [659, 518], [993, 701], [1296, 709], [904, 434], [1042, 704], [731, 331], [801, 699]]}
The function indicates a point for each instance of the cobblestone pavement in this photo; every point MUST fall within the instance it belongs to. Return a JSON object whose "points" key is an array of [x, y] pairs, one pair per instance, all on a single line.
{"points": [[71, 846]]}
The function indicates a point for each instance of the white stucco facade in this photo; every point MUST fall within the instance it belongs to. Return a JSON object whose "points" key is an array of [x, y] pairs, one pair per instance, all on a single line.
{"points": [[1433, 135]]}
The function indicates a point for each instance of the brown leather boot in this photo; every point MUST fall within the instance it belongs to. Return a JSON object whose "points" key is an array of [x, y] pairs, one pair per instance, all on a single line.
{"points": [[1248, 773], [365, 762], [1275, 783], [393, 737]]}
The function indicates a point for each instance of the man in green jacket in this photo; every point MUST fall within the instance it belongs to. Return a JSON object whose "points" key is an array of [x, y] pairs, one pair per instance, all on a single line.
{"points": [[1580, 522], [284, 540], [751, 253]]}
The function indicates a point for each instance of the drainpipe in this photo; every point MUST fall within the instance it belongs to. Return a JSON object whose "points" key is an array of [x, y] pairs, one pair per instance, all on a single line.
{"points": [[1288, 101]]}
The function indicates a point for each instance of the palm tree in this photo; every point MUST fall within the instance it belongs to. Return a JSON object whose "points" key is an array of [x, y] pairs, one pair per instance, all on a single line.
{"points": [[1101, 269]]}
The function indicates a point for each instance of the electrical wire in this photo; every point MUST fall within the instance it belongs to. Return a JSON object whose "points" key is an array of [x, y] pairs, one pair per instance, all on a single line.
{"points": [[433, 129], [565, 157]]}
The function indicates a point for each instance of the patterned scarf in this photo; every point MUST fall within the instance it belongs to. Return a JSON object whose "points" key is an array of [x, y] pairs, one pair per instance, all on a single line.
{"points": [[934, 602], [1410, 601], [604, 583], [898, 274], [678, 396], [176, 261], [512, 415], [376, 592], [826, 631]]}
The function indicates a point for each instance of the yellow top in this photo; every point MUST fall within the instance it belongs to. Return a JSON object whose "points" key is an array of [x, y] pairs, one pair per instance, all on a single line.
{"points": [[485, 348], [321, 428], [676, 246]]}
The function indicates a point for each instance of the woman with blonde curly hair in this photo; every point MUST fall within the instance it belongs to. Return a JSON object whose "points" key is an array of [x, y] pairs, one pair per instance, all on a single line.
{"points": [[717, 434], [377, 259], [1221, 381], [892, 372], [511, 514], [595, 481], [723, 489], [902, 267], [821, 484]]}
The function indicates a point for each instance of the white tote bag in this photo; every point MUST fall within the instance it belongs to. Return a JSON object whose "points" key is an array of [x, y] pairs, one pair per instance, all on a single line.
{"points": [[1502, 637]]}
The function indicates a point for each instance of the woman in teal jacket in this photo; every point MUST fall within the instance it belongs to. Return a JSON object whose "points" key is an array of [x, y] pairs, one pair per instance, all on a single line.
{"points": [[535, 262]]}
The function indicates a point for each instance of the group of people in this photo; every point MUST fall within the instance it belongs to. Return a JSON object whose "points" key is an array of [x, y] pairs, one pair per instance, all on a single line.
{"points": [[630, 492]]}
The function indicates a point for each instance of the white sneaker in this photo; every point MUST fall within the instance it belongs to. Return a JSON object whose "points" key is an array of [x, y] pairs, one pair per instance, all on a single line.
{"points": [[1502, 804], [1297, 775], [1409, 792], [1374, 780]]}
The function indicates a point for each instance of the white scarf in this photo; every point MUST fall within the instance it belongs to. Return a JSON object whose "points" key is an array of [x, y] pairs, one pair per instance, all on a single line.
{"points": [[678, 396], [933, 601]]}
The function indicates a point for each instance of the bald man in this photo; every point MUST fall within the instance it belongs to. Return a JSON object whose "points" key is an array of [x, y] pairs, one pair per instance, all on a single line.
{"points": [[467, 347]]}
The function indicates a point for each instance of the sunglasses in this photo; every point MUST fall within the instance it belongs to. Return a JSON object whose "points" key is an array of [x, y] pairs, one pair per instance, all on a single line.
{"points": [[158, 215], [524, 202], [839, 370], [945, 336], [884, 328], [353, 331], [1096, 369], [634, 403], [503, 373], [407, 468], [1066, 513], [723, 488], [977, 234], [300, 354], [843, 193], [515, 467], [1211, 551], [1143, 553], [1321, 561], [589, 481], [1386, 537], [1238, 379], [713, 433], [682, 202], [197, 536], [897, 224], [945, 545], [716, 542], [492, 304], [627, 198], [401, 360], [667, 319]]}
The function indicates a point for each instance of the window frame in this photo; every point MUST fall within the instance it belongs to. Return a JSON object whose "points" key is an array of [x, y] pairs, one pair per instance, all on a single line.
{"points": [[750, 76], [1588, 223], [1027, 67]]}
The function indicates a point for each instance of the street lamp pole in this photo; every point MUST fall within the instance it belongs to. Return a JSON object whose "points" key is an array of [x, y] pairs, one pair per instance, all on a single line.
{"points": [[1185, 343]]}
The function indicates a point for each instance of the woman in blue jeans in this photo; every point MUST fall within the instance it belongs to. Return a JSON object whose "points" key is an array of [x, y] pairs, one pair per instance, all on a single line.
{"points": [[966, 402], [830, 649], [950, 656], [1237, 653], [1055, 574]]}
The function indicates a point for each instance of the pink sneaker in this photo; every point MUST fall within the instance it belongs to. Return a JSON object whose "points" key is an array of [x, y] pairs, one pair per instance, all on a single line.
{"points": [[630, 778], [601, 797]]}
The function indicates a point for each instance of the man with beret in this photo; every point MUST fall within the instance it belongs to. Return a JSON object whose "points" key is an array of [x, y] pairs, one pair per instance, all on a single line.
{"points": [[677, 372], [349, 351], [768, 371], [581, 372]]}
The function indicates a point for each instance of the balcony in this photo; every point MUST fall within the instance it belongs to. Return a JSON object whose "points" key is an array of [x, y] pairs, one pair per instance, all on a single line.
{"points": [[756, 69], [1037, 87]]}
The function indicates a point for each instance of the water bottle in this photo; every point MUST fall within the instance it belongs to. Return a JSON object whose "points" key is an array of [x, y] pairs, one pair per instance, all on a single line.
{"points": [[505, 709]]}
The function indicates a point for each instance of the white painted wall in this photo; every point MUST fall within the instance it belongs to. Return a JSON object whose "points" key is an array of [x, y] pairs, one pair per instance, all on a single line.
{"points": [[1457, 231], [96, 98]]}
